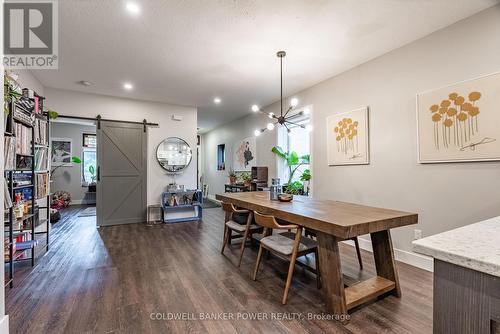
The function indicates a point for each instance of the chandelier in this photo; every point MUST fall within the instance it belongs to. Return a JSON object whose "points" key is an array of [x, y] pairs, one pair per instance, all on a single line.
{"points": [[283, 118]]}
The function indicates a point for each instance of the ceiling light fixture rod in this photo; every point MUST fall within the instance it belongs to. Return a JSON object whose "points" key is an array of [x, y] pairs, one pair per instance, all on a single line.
{"points": [[281, 54]]}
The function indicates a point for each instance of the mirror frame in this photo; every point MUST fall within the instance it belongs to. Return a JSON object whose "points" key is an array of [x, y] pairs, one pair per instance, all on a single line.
{"points": [[185, 166]]}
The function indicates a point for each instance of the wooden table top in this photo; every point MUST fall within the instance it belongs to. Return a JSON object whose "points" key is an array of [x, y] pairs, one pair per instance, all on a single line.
{"points": [[341, 219]]}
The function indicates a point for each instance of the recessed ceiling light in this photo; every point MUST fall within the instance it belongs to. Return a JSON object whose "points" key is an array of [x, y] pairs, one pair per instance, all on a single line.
{"points": [[133, 8], [255, 108], [128, 86], [217, 100]]}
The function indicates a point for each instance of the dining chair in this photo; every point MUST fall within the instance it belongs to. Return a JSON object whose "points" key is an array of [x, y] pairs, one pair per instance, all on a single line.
{"points": [[285, 247], [230, 225], [310, 233]]}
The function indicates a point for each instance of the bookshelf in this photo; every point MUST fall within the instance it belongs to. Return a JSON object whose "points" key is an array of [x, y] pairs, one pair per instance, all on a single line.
{"points": [[27, 185]]}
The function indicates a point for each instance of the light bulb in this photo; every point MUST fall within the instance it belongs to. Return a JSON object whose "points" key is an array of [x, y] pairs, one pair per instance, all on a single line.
{"points": [[257, 133], [271, 115], [217, 100], [309, 127], [307, 111], [294, 102], [255, 108], [270, 126]]}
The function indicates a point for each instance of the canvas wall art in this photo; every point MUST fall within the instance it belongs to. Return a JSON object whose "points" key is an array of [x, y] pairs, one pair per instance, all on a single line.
{"points": [[348, 138], [61, 151], [245, 155], [460, 122]]}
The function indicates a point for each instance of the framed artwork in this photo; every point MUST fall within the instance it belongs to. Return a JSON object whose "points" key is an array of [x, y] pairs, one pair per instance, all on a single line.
{"points": [[61, 151], [460, 122], [245, 156], [348, 138]]}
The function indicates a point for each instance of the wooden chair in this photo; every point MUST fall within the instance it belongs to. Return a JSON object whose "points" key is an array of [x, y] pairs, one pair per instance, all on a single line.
{"points": [[245, 230], [285, 247], [310, 233]]}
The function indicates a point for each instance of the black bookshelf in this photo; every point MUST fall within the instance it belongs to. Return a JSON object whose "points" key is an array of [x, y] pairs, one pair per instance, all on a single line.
{"points": [[30, 221]]}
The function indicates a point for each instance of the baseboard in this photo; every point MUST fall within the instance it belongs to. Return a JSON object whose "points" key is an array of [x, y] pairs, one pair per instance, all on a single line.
{"points": [[4, 325], [413, 259], [82, 201]]}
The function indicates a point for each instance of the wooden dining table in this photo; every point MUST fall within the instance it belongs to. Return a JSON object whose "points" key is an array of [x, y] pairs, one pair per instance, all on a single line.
{"points": [[332, 222]]}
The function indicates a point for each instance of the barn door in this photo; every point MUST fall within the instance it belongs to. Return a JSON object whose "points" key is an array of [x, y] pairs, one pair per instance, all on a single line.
{"points": [[122, 163]]}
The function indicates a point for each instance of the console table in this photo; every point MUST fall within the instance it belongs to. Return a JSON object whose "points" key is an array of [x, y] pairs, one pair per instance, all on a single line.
{"points": [[187, 206]]}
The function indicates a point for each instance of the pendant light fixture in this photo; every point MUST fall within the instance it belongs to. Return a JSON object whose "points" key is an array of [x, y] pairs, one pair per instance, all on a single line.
{"points": [[282, 119]]}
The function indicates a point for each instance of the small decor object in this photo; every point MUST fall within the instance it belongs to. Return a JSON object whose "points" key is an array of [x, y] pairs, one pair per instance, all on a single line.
{"points": [[155, 215], [174, 154], [232, 176], [275, 189], [61, 152], [245, 155], [460, 122], [348, 138], [285, 197], [60, 199]]}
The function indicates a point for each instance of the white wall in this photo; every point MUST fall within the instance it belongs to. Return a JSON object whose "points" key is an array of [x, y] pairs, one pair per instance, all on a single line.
{"points": [[69, 178], [445, 196], [90, 105], [230, 134]]}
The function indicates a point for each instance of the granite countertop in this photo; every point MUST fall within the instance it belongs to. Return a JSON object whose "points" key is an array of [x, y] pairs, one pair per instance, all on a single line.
{"points": [[475, 246]]}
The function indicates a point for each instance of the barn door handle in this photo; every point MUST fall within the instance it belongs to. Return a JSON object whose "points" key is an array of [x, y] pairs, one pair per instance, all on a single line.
{"points": [[98, 173]]}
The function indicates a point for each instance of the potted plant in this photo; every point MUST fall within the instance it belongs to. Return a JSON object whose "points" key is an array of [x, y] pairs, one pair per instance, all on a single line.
{"points": [[306, 178], [293, 162], [92, 184], [246, 177], [232, 176]]}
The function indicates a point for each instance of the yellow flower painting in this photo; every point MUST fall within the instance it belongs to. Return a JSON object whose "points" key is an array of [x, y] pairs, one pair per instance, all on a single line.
{"points": [[347, 141], [460, 122]]}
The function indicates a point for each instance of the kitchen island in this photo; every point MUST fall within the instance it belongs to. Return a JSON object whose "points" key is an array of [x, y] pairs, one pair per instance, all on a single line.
{"points": [[466, 277]]}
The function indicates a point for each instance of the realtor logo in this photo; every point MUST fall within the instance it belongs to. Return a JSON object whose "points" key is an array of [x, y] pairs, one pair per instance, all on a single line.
{"points": [[30, 34]]}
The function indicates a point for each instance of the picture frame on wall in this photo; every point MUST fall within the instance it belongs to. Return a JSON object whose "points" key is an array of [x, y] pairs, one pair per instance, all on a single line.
{"points": [[460, 122], [62, 151], [348, 138], [245, 155]]}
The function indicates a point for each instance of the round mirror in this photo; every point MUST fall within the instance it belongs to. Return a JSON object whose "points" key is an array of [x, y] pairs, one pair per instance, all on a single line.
{"points": [[174, 154]]}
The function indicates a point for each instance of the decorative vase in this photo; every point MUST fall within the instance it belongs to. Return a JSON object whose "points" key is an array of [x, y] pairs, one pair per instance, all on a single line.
{"points": [[232, 179]]}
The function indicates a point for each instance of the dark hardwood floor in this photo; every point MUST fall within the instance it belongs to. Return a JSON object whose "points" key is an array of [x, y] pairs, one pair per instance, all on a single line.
{"points": [[111, 280]]}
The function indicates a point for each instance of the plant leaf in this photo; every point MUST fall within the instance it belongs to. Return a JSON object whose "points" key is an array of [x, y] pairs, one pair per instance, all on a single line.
{"points": [[293, 158], [279, 152], [76, 160]]}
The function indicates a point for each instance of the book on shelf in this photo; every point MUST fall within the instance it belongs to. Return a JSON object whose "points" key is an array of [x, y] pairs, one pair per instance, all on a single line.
{"points": [[41, 159], [7, 200], [23, 139], [42, 185], [41, 132], [9, 153]]}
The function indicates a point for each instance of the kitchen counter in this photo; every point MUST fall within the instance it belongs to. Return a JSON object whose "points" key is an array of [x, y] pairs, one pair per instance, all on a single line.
{"points": [[475, 246], [466, 278]]}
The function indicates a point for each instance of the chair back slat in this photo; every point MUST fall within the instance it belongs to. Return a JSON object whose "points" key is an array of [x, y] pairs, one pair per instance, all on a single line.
{"points": [[228, 207], [270, 222]]}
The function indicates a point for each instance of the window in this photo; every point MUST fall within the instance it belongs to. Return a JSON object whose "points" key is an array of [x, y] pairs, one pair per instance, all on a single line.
{"points": [[89, 166], [221, 157], [298, 140], [89, 140]]}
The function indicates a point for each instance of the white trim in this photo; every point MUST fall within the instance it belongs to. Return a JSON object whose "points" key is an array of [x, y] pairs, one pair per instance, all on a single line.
{"points": [[4, 325], [413, 259]]}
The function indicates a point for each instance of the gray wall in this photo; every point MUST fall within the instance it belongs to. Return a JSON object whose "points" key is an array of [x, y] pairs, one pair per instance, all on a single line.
{"points": [[445, 196], [70, 178], [230, 134]]}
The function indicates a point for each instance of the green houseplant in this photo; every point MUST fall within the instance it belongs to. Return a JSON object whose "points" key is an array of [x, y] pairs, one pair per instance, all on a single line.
{"points": [[92, 185], [232, 176], [246, 177], [293, 162]]}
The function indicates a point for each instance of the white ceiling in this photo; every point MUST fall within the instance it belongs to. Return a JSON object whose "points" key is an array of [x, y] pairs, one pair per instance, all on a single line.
{"points": [[188, 52]]}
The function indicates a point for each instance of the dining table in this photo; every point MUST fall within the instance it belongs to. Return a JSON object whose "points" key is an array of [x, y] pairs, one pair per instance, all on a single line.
{"points": [[332, 222]]}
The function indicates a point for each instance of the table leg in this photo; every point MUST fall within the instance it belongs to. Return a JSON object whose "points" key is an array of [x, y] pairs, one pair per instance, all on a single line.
{"points": [[384, 258], [332, 284]]}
